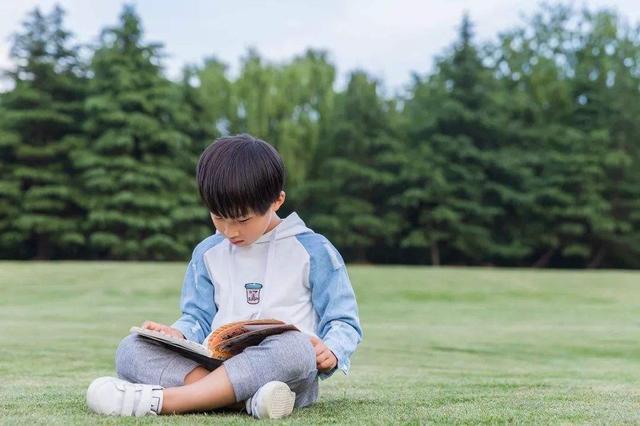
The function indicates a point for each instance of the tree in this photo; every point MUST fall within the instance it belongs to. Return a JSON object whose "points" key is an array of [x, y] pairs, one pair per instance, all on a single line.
{"points": [[606, 88], [287, 105], [135, 161], [42, 117], [12, 241], [561, 110], [203, 103], [454, 133], [349, 193]]}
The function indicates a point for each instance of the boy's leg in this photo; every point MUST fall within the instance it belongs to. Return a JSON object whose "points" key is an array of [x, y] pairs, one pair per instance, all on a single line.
{"points": [[140, 360], [288, 357], [211, 392]]}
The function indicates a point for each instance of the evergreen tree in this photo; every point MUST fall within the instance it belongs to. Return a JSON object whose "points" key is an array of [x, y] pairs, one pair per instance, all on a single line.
{"points": [[566, 184], [351, 188], [454, 134], [524, 152], [12, 241], [202, 98], [41, 115], [134, 168], [606, 88]]}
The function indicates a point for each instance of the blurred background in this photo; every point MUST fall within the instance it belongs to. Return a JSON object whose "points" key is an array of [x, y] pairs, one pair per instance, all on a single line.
{"points": [[501, 133]]}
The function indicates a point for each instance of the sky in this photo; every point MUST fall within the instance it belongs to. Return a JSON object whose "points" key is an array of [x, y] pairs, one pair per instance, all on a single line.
{"points": [[390, 39]]}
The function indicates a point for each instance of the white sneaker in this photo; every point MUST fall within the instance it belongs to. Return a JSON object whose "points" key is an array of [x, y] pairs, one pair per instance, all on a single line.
{"points": [[272, 401], [115, 397]]}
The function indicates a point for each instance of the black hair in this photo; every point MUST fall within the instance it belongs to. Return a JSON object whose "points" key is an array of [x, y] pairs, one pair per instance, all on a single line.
{"points": [[239, 174]]}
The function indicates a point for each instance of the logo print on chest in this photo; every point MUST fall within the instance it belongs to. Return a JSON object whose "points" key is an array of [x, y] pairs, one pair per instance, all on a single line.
{"points": [[253, 293]]}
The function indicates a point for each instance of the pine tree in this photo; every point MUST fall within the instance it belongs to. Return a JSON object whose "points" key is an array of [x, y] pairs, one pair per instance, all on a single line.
{"points": [[12, 240], [350, 190], [606, 89], [563, 144], [42, 117], [134, 167], [454, 135], [202, 98]]}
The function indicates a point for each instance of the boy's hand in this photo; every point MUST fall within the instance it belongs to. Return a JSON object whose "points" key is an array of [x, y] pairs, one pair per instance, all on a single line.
{"points": [[325, 359], [169, 331]]}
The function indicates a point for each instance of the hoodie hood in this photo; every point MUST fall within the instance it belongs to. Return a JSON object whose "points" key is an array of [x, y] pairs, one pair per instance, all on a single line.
{"points": [[290, 226]]}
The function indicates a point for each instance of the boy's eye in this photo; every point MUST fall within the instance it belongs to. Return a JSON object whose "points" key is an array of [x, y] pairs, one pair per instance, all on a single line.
{"points": [[239, 220]]}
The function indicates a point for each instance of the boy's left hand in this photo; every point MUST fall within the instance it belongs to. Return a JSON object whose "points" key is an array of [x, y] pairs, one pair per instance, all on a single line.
{"points": [[325, 359]]}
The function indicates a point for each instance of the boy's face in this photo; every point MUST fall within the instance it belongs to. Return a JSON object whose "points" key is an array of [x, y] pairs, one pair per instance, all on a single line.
{"points": [[244, 231]]}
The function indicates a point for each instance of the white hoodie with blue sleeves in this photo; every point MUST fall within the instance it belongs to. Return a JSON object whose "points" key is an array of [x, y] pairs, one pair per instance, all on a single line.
{"points": [[290, 273]]}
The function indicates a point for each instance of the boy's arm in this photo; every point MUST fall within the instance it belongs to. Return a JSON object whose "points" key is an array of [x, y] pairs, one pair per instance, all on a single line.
{"points": [[335, 303], [196, 301]]}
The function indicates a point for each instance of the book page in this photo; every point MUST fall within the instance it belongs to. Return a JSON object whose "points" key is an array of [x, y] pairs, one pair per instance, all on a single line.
{"points": [[174, 341]]}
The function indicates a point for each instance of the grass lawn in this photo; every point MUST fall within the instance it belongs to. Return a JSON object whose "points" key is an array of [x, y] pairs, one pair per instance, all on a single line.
{"points": [[441, 345]]}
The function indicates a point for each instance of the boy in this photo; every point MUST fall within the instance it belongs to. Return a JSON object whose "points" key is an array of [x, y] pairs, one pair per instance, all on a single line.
{"points": [[294, 275]]}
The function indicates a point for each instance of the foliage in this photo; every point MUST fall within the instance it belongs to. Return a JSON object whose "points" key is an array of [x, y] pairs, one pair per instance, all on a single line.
{"points": [[521, 151]]}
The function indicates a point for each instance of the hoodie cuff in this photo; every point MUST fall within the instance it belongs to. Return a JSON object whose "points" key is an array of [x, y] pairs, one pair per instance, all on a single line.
{"points": [[344, 364], [190, 330]]}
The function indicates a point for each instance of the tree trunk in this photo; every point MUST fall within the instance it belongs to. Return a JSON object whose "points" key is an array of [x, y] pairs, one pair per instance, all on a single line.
{"points": [[435, 254], [544, 259], [597, 259], [42, 248]]}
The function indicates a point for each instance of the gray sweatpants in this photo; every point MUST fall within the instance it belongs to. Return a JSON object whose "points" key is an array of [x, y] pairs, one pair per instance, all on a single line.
{"points": [[288, 357]]}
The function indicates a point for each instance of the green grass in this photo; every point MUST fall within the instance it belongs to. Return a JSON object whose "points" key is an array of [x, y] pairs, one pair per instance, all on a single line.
{"points": [[441, 345]]}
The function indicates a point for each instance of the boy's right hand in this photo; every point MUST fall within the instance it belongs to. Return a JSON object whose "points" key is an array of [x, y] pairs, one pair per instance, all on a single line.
{"points": [[169, 331]]}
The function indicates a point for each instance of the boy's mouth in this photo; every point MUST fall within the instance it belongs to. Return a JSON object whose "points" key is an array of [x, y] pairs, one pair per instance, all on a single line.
{"points": [[236, 241]]}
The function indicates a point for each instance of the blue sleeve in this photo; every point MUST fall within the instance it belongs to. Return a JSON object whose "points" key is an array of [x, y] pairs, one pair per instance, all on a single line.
{"points": [[334, 302], [197, 298]]}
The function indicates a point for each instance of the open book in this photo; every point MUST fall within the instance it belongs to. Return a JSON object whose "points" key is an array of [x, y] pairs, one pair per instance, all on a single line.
{"points": [[223, 343]]}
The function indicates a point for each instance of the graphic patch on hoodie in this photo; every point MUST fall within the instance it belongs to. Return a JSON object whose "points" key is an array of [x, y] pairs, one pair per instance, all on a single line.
{"points": [[253, 293]]}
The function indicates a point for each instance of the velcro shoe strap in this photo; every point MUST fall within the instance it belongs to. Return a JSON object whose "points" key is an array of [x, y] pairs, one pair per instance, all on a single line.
{"points": [[128, 399], [145, 401]]}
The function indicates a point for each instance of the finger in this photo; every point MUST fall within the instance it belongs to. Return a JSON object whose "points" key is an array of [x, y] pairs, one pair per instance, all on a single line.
{"points": [[328, 367], [321, 358], [326, 353], [178, 333], [319, 349], [314, 340], [150, 325], [325, 366], [328, 364]]}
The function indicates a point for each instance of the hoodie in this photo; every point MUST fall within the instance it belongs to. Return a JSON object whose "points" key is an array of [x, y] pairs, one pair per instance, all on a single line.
{"points": [[290, 273]]}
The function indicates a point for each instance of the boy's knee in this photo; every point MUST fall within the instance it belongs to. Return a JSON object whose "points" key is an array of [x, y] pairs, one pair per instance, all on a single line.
{"points": [[127, 356], [296, 347]]}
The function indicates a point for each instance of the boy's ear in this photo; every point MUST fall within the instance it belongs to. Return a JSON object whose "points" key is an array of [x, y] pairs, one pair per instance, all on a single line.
{"points": [[279, 201]]}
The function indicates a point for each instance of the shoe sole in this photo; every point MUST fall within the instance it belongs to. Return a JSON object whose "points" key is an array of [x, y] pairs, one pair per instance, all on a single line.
{"points": [[279, 402]]}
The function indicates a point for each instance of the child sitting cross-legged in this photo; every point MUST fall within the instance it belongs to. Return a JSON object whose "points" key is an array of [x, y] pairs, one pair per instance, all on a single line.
{"points": [[256, 265]]}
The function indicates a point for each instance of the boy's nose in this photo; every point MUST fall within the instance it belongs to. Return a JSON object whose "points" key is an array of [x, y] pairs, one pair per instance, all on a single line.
{"points": [[231, 232]]}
